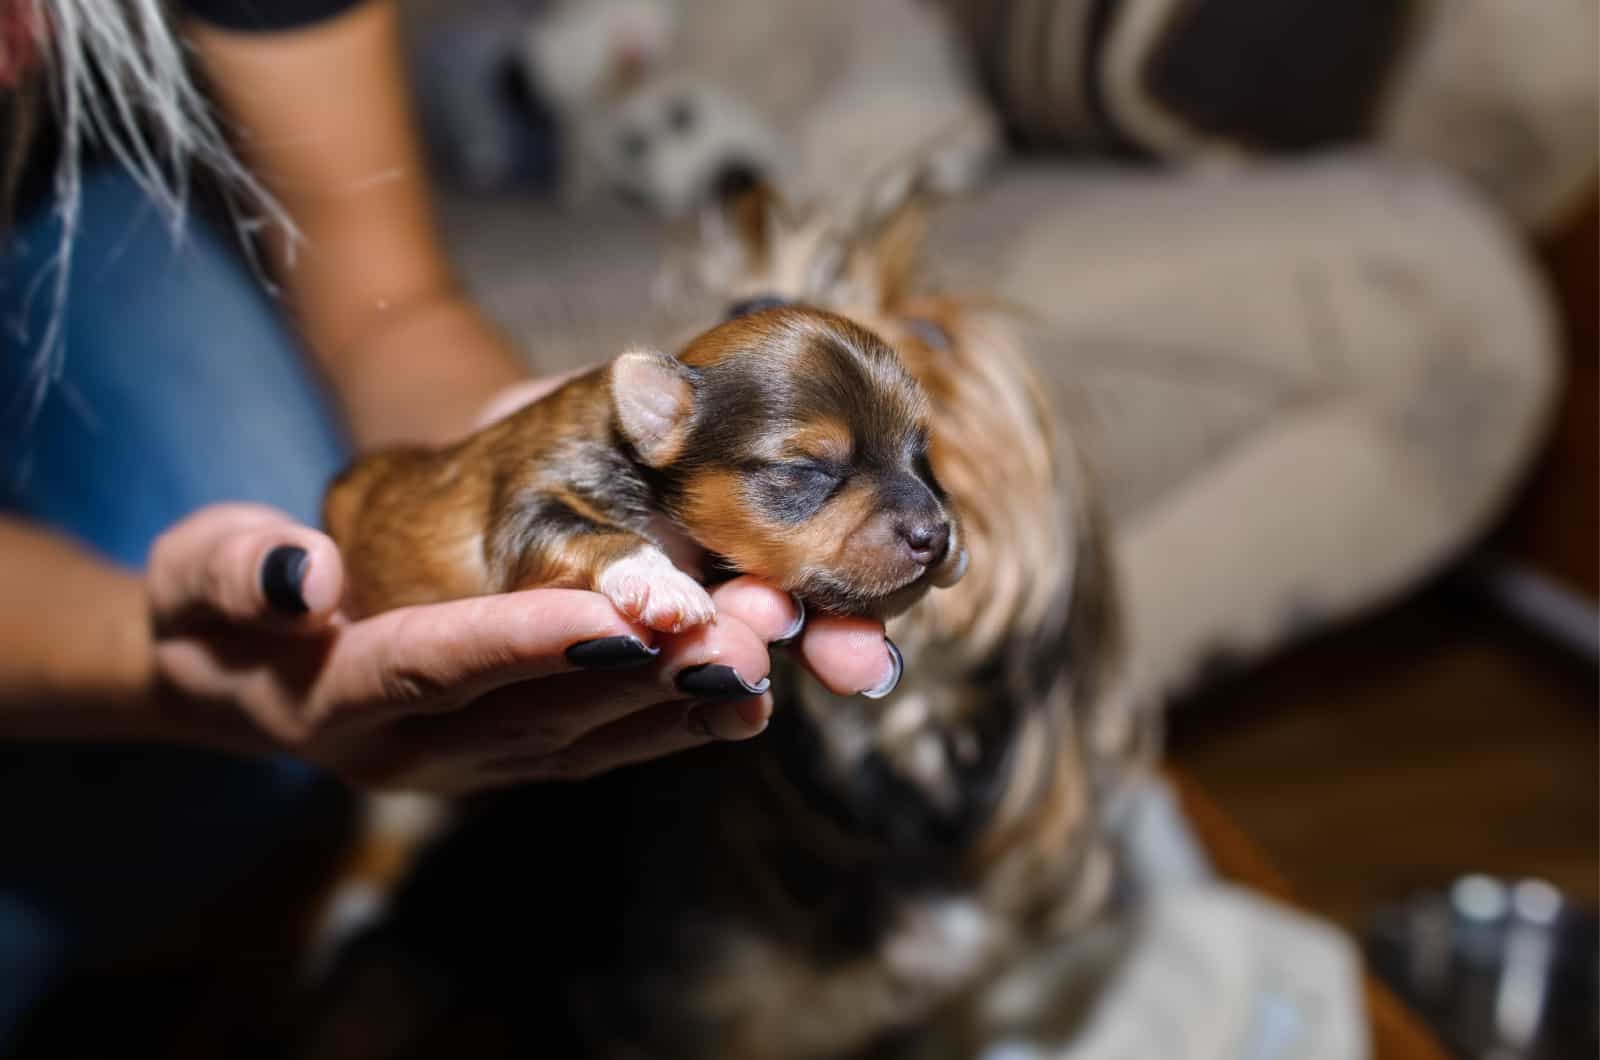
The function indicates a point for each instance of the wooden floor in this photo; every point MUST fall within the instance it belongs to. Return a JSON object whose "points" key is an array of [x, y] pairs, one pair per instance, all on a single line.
{"points": [[1432, 740]]}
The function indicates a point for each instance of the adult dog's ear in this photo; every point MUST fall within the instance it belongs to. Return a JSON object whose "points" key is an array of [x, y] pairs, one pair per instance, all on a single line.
{"points": [[737, 231], [752, 217], [885, 255], [652, 397]]}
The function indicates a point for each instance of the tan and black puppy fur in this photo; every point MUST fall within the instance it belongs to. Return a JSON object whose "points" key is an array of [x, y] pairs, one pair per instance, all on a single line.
{"points": [[790, 444]]}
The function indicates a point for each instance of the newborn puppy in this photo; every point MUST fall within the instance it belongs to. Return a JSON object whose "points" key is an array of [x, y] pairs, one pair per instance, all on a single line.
{"points": [[790, 444]]}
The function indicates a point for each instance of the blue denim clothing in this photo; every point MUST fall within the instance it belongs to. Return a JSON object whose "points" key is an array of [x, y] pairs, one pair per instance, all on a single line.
{"points": [[181, 386]]}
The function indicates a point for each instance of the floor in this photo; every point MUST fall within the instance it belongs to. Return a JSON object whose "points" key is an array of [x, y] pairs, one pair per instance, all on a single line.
{"points": [[1434, 739]]}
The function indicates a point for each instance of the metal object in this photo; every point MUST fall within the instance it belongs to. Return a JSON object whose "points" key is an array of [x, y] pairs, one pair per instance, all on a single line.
{"points": [[1501, 969]]}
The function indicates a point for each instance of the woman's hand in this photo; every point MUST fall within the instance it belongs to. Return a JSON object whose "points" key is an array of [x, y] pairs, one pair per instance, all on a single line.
{"points": [[252, 652]]}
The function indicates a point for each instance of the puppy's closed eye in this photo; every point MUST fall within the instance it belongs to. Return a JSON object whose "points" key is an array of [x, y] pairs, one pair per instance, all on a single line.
{"points": [[793, 490], [813, 474]]}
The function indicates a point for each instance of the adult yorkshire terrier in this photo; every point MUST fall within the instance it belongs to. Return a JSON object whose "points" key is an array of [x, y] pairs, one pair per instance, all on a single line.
{"points": [[858, 873]]}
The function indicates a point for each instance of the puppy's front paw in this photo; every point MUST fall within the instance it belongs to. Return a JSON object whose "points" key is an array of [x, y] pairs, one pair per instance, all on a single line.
{"points": [[645, 586]]}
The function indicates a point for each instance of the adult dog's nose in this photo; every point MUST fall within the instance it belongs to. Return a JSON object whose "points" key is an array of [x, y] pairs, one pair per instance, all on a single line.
{"points": [[733, 179]]}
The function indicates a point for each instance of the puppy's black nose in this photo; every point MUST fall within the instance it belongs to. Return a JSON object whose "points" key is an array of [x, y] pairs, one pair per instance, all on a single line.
{"points": [[734, 179], [928, 541]]}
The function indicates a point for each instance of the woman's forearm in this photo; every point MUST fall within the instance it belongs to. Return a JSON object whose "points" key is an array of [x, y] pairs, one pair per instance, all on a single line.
{"points": [[76, 662], [424, 373], [323, 117]]}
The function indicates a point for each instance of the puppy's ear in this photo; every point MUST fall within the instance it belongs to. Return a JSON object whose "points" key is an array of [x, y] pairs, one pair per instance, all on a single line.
{"points": [[653, 397]]}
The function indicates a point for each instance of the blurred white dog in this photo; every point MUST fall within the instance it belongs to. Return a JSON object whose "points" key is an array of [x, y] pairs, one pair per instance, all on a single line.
{"points": [[675, 102]]}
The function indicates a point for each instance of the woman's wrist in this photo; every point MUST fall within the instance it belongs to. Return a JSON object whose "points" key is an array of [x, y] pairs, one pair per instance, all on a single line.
{"points": [[423, 372], [78, 643], [509, 399], [104, 683], [82, 663]]}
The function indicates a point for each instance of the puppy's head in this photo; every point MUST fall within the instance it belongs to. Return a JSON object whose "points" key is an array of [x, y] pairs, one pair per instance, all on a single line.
{"points": [[793, 445]]}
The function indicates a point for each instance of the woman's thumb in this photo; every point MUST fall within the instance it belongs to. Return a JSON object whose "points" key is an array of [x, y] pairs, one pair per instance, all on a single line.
{"points": [[245, 563]]}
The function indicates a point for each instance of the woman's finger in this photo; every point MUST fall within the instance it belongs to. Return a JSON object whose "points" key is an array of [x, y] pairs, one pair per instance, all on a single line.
{"points": [[246, 564], [725, 660], [722, 663], [773, 615], [442, 656], [850, 656], [661, 730]]}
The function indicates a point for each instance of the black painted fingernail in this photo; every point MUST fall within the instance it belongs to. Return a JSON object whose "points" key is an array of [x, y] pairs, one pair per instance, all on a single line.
{"points": [[611, 653], [715, 681], [894, 677], [282, 574], [792, 634]]}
